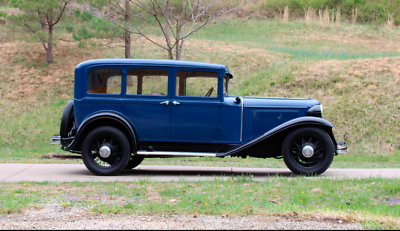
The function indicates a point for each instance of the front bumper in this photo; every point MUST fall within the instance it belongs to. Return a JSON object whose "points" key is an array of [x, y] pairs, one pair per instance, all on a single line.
{"points": [[341, 148], [55, 139]]}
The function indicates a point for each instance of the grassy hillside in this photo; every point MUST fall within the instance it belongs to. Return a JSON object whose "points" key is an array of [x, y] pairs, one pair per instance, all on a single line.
{"points": [[353, 70]]}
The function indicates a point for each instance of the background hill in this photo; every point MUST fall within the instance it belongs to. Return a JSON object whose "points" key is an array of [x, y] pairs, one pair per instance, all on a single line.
{"points": [[353, 69]]}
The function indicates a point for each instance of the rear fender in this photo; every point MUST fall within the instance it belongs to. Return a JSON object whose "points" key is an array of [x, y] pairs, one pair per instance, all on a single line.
{"points": [[103, 119], [283, 129]]}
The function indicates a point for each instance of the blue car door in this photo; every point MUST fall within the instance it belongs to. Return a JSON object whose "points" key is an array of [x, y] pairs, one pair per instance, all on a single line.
{"points": [[195, 109], [147, 102]]}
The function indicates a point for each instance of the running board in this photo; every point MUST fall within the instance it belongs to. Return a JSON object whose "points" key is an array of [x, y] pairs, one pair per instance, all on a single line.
{"points": [[175, 154]]}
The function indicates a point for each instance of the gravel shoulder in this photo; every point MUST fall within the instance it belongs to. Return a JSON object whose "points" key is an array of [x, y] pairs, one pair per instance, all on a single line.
{"points": [[58, 217]]}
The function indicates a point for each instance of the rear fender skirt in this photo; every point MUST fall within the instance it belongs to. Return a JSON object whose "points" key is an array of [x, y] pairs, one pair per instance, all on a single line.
{"points": [[302, 121], [111, 116]]}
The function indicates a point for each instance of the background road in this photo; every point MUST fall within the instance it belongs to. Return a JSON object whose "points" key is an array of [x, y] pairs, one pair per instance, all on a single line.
{"points": [[78, 172]]}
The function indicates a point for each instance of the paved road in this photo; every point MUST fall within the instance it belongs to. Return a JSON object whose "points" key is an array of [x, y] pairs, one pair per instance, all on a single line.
{"points": [[78, 172]]}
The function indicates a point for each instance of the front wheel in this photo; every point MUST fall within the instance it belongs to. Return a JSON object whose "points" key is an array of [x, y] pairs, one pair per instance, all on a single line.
{"points": [[308, 151], [134, 162], [106, 151]]}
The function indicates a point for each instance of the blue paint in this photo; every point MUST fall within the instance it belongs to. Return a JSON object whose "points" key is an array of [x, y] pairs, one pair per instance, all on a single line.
{"points": [[194, 119]]}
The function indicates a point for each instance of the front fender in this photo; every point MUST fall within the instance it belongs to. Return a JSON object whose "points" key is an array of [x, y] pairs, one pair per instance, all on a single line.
{"points": [[301, 121], [105, 119]]}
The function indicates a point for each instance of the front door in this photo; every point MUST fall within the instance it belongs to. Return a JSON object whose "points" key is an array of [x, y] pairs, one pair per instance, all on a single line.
{"points": [[195, 108], [147, 102]]}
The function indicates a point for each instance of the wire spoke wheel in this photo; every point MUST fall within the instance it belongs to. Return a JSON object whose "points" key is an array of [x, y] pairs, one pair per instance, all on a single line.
{"points": [[308, 151], [115, 156], [315, 144], [106, 151]]}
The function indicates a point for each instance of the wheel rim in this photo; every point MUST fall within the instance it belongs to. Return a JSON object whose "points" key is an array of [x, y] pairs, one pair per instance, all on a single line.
{"points": [[308, 151], [106, 152]]}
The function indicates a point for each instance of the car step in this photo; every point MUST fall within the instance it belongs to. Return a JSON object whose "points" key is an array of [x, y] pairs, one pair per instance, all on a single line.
{"points": [[175, 154]]}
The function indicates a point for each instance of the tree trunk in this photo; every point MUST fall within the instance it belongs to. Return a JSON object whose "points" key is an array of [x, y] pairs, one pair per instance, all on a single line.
{"points": [[179, 48], [49, 51], [42, 20], [179, 43], [170, 54], [166, 29], [127, 33]]}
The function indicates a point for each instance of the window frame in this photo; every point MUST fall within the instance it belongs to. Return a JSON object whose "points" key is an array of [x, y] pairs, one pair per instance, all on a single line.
{"points": [[86, 85], [219, 85], [168, 69]]}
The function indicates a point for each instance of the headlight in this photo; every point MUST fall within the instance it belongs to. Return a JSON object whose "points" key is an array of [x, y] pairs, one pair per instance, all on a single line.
{"points": [[315, 111]]}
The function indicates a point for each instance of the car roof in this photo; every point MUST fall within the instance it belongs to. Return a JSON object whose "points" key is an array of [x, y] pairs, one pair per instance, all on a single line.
{"points": [[149, 62]]}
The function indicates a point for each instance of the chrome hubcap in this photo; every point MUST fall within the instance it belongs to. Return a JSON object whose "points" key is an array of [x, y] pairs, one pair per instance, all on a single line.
{"points": [[308, 151], [105, 151]]}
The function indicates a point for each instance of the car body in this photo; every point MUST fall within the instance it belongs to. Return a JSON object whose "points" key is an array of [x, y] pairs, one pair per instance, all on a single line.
{"points": [[168, 108]]}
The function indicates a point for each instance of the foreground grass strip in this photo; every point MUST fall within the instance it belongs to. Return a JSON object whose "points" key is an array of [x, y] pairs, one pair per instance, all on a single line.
{"points": [[373, 201]]}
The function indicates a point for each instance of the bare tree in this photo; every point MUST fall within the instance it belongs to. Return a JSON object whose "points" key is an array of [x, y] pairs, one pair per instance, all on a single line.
{"points": [[47, 12], [177, 20], [117, 10]]}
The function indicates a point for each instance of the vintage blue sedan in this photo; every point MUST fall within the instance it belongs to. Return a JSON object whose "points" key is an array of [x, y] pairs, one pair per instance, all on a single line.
{"points": [[125, 110]]}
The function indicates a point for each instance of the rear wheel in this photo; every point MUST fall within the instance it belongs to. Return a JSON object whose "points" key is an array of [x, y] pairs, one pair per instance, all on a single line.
{"points": [[308, 151], [106, 151]]}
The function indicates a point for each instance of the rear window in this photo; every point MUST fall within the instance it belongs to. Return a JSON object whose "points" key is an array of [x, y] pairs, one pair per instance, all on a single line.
{"points": [[105, 81]]}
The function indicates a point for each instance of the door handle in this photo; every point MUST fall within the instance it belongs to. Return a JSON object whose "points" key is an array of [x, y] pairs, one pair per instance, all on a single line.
{"points": [[165, 102], [176, 103]]}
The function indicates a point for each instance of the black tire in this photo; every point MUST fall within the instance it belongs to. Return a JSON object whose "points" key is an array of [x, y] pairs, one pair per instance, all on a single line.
{"points": [[134, 162], [117, 143], [67, 128], [319, 140]]}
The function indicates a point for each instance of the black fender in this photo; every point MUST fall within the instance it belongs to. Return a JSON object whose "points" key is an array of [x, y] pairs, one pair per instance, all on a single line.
{"points": [[103, 118], [301, 121]]}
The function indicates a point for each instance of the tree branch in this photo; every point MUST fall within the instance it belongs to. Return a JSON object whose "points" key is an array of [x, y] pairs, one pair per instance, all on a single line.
{"points": [[120, 8], [97, 14], [62, 11], [41, 40], [141, 5]]}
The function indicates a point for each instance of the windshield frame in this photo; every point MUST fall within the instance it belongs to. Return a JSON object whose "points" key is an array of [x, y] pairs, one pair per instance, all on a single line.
{"points": [[227, 77]]}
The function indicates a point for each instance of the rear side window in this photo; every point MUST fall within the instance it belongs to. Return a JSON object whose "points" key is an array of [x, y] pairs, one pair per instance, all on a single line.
{"points": [[147, 82], [105, 81]]}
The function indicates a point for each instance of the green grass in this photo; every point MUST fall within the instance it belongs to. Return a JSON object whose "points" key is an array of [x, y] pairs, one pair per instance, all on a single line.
{"points": [[368, 201], [324, 55], [348, 68]]}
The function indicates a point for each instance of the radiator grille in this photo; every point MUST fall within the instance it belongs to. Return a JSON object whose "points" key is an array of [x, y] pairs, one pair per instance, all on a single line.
{"points": [[264, 120]]}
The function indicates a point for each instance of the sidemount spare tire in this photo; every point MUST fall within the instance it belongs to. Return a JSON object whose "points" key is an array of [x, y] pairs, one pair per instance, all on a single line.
{"points": [[67, 128]]}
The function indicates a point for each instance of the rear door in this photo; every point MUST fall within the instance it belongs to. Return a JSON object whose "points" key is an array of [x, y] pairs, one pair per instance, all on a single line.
{"points": [[147, 102]]}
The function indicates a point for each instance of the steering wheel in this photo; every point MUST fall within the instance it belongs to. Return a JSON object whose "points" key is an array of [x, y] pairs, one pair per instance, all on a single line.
{"points": [[209, 92]]}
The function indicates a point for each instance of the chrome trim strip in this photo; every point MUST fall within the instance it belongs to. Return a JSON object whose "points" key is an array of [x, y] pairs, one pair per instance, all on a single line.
{"points": [[176, 154], [241, 122]]}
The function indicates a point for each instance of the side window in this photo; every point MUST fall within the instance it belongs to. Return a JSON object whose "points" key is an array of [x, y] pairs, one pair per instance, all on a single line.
{"points": [[147, 82], [197, 83], [105, 81]]}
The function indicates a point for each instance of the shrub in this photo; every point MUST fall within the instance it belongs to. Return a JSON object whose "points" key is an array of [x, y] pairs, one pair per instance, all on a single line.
{"points": [[369, 11]]}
